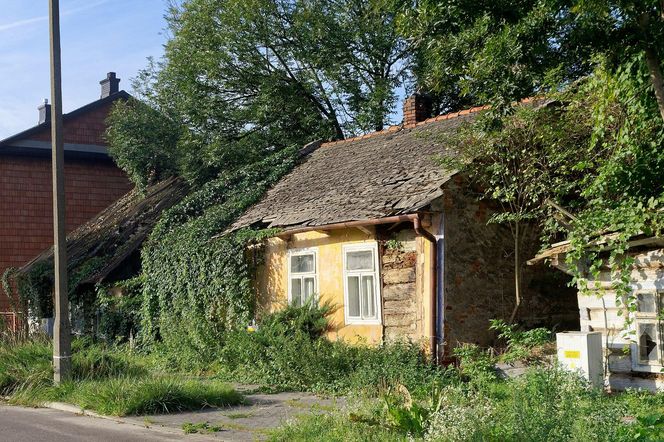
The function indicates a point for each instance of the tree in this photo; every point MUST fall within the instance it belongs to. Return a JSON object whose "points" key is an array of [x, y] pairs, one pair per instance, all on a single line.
{"points": [[498, 52], [246, 78], [501, 51], [143, 142], [522, 161], [471, 52]]}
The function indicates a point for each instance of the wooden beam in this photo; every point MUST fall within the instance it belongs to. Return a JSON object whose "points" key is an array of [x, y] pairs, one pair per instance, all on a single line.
{"points": [[363, 229], [394, 226]]}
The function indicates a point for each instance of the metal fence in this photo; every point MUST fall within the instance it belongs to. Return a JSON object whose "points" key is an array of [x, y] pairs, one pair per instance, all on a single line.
{"points": [[9, 321]]}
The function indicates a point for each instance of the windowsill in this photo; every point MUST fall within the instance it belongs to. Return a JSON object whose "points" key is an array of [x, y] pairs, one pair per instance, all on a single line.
{"points": [[645, 368], [362, 321]]}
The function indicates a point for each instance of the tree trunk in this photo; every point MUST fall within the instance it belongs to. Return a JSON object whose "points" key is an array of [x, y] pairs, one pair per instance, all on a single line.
{"points": [[656, 78], [652, 60], [517, 272]]}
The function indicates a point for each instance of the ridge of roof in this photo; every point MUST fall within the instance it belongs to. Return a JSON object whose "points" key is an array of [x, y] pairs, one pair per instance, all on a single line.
{"points": [[399, 127]]}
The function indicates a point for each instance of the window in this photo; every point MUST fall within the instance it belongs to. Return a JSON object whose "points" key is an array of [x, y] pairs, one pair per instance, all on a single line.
{"points": [[362, 294], [649, 327], [302, 276]]}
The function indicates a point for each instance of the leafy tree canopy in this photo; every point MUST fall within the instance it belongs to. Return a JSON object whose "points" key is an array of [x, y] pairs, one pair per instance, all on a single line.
{"points": [[500, 51], [246, 78]]}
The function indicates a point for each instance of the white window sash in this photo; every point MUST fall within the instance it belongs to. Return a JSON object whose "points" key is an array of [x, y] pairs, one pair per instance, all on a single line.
{"points": [[375, 274], [302, 276]]}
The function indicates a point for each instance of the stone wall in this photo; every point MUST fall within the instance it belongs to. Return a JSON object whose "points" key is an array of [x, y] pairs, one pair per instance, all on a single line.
{"points": [[399, 286], [479, 276]]}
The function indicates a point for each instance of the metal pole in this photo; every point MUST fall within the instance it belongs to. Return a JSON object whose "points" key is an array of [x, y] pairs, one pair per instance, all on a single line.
{"points": [[62, 333]]}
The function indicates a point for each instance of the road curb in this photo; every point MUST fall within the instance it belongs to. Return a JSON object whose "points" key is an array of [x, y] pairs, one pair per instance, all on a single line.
{"points": [[75, 409]]}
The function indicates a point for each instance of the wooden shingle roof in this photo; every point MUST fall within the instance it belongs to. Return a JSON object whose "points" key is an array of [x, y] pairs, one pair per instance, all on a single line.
{"points": [[383, 174], [118, 231]]}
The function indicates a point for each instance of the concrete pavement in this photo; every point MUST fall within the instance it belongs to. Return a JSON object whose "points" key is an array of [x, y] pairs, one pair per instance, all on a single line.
{"points": [[19, 424], [251, 421]]}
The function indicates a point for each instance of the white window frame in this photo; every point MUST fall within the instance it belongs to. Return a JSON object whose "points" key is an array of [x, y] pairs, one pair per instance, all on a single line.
{"points": [[299, 252], [373, 247], [648, 318]]}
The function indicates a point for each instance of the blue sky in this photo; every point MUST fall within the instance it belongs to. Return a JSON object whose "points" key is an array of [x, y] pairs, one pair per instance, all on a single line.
{"points": [[98, 36]]}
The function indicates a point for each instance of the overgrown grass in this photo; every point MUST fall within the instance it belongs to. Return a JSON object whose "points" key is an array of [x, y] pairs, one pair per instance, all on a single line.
{"points": [[288, 353], [405, 398], [334, 428], [546, 404], [109, 381], [134, 396]]}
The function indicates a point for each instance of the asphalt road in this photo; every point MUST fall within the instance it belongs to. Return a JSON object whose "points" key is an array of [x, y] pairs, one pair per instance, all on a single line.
{"points": [[18, 424]]}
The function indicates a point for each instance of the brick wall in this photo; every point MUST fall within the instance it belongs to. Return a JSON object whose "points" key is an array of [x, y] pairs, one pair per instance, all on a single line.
{"points": [[26, 226], [87, 128], [26, 214]]}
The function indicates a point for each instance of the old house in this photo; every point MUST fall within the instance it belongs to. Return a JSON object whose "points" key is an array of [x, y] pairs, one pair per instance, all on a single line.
{"points": [[377, 227], [632, 329], [106, 249], [92, 180]]}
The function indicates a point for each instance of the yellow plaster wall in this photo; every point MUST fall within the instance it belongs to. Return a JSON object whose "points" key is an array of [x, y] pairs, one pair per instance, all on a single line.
{"points": [[272, 279]]}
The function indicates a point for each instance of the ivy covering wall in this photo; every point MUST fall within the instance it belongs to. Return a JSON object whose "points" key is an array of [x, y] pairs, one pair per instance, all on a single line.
{"points": [[196, 285]]}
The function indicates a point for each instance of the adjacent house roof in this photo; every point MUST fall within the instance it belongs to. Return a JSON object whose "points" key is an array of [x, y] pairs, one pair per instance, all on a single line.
{"points": [[21, 142], [601, 243], [118, 231], [378, 175]]}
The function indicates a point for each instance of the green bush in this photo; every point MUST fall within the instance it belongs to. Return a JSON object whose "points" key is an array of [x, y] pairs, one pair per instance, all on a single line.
{"points": [[520, 343], [310, 319], [287, 352]]}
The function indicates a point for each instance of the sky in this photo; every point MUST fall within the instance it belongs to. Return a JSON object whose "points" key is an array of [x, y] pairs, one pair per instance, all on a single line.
{"points": [[98, 36]]}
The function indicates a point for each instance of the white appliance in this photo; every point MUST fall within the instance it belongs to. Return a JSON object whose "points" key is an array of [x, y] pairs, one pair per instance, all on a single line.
{"points": [[582, 352]]}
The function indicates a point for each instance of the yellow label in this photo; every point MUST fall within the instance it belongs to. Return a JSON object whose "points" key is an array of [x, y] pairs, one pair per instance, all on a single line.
{"points": [[572, 354]]}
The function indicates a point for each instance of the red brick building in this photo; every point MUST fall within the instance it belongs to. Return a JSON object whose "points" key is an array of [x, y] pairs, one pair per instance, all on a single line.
{"points": [[92, 180]]}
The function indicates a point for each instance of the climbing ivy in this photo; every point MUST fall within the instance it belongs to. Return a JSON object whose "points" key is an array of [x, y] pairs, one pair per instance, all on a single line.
{"points": [[593, 148], [625, 195], [196, 285]]}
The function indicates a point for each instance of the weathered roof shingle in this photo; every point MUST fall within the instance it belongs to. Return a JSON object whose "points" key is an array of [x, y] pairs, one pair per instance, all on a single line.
{"points": [[389, 173]]}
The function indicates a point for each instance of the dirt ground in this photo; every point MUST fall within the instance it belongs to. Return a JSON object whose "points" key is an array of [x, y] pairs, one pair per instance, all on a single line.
{"points": [[249, 422]]}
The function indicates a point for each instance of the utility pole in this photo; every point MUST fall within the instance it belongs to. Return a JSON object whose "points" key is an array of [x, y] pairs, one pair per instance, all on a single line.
{"points": [[62, 332]]}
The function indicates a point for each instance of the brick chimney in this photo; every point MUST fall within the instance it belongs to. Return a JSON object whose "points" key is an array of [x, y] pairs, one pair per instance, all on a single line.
{"points": [[44, 112], [109, 85], [416, 108]]}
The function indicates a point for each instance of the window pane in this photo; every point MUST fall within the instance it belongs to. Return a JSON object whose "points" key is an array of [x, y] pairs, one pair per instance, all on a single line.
{"points": [[302, 263], [353, 296], [648, 342], [360, 260], [369, 302], [647, 302], [309, 288], [296, 291]]}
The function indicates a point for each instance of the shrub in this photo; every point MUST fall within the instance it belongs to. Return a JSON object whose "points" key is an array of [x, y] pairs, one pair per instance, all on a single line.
{"points": [[475, 363], [309, 319], [520, 343], [287, 352]]}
